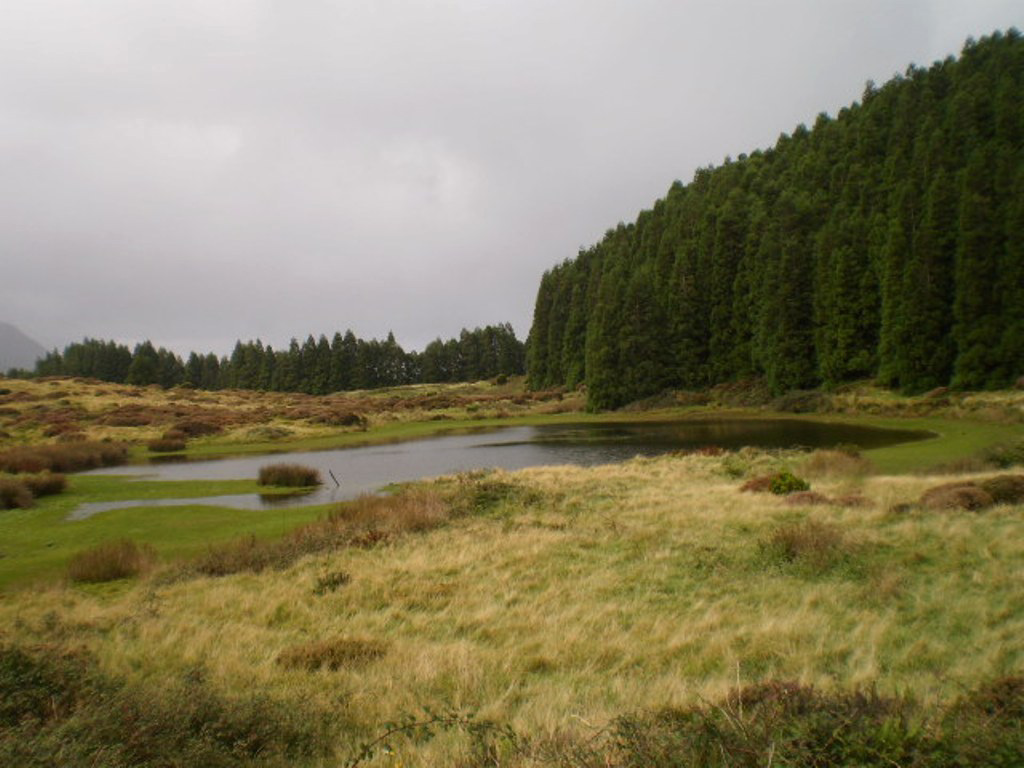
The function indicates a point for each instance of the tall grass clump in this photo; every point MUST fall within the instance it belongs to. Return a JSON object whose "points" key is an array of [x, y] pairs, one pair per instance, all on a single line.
{"points": [[45, 483], [811, 545], [14, 493], [289, 475], [835, 463], [336, 653], [111, 560], [165, 445], [21, 491], [364, 522], [64, 457]]}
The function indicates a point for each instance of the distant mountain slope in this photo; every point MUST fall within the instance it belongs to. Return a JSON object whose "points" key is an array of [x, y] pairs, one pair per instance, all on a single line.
{"points": [[884, 243], [17, 350]]}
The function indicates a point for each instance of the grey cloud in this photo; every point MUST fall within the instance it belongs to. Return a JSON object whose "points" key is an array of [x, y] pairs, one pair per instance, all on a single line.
{"points": [[197, 172]]}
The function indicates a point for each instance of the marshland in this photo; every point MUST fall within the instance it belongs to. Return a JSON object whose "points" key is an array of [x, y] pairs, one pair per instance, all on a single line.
{"points": [[559, 615]]}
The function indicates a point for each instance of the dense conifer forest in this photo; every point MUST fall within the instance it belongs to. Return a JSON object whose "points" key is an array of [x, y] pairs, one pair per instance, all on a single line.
{"points": [[886, 243], [317, 366]]}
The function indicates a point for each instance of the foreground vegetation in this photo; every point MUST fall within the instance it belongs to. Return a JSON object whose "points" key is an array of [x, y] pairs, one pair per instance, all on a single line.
{"points": [[623, 615]]}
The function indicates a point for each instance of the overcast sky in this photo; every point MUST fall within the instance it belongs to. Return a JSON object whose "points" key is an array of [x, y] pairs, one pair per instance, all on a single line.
{"points": [[200, 171]]}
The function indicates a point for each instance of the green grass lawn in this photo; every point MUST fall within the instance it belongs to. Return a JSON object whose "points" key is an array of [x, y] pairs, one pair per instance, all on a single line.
{"points": [[37, 543]]}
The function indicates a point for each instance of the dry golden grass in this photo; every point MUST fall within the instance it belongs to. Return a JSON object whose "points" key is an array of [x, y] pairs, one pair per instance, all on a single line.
{"points": [[592, 593], [71, 409]]}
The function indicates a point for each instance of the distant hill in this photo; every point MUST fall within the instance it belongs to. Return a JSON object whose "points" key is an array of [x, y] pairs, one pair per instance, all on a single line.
{"points": [[17, 350]]}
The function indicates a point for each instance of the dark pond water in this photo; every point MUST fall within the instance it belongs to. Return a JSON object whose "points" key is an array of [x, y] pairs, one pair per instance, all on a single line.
{"points": [[368, 468]]}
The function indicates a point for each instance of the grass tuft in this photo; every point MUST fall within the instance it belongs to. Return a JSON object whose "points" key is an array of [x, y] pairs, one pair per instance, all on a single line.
{"points": [[364, 522], [290, 475], [14, 493], [338, 653], [165, 445], [813, 545], [111, 560], [835, 463]]}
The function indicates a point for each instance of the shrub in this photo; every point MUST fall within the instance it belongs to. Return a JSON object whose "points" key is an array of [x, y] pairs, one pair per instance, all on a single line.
{"points": [[817, 546], [759, 484], [66, 457], [197, 427], [165, 445], [333, 654], [57, 708], [363, 522], [37, 684], [330, 582], [1005, 455], [369, 518], [290, 475], [800, 402], [14, 493], [835, 463], [45, 483], [772, 723], [806, 499], [1004, 489], [333, 418], [786, 482], [111, 560], [955, 496]]}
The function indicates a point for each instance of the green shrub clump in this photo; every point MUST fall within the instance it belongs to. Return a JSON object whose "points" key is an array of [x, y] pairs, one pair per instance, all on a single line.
{"points": [[289, 475], [786, 482]]}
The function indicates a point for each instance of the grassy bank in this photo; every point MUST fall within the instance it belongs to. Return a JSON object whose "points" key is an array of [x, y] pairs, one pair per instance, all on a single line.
{"points": [[560, 599], [37, 543]]}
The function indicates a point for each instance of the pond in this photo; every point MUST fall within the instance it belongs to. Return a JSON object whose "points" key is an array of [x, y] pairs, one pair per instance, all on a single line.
{"points": [[368, 468]]}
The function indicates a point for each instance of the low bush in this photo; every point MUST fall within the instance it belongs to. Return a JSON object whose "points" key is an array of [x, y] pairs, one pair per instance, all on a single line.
{"points": [[111, 560], [806, 499], [290, 475], [197, 427], [759, 484], [45, 483], [786, 482], [957, 495], [65, 457], [370, 517], [338, 653], [1004, 455], [363, 522], [799, 401], [331, 582], [835, 463], [816, 546], [1004, 489], [14, 493], [57, 708], [165, 445]]}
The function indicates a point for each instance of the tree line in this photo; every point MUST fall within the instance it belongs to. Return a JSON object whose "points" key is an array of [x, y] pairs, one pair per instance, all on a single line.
{"points": [[316, 366], [885, 243]]}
